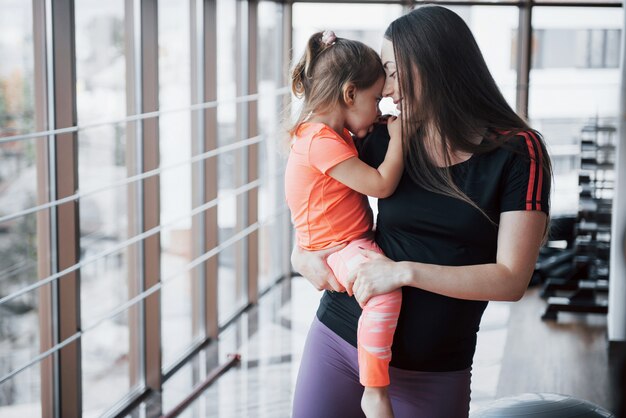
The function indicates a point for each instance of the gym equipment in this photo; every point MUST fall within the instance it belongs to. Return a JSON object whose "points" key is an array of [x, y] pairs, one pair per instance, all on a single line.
{"points": [[584, 288], [542, 405], [554, 262]]}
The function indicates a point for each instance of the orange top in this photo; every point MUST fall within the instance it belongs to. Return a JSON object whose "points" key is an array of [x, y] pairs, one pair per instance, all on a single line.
{"points": [[325, 212]]}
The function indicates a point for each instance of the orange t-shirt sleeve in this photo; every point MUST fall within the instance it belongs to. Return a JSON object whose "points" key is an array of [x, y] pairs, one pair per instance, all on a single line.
{"points": [[325, 153]]}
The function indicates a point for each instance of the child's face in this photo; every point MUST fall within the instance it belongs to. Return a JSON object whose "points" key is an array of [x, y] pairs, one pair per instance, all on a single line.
{"points": [[363, 112]]}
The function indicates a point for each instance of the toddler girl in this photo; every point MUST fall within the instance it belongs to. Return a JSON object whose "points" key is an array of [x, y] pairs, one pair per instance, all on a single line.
{"points": [[327, 185]]}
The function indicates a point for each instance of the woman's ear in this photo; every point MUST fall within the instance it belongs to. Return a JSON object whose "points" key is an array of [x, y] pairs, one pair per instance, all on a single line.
{"points": [[349, 93]]}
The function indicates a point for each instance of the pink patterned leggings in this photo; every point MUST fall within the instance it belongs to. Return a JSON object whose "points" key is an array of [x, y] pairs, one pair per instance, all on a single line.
{"points": [[378, 321]]}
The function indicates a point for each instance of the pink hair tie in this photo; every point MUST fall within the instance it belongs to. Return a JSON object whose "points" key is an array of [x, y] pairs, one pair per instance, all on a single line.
{"points": [[329, 37]]}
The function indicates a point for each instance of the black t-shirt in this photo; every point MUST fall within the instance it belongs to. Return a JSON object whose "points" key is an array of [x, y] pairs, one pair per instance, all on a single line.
{"points": [[435, 332]]}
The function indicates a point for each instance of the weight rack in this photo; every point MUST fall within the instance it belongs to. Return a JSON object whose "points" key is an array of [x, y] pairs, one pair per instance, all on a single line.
{"points": [[585, 289]]}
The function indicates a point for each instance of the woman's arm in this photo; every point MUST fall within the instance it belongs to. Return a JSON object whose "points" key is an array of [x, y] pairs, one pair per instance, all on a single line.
{"points": [[378, 182], [313, 267], [519, 238]]}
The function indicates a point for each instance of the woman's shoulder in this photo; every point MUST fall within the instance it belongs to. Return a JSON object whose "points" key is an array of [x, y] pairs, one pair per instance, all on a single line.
{"points": [[518, 144]]}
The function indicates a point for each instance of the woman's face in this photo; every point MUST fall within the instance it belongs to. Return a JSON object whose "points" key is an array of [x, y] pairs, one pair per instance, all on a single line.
{"points": [[391, 87]]}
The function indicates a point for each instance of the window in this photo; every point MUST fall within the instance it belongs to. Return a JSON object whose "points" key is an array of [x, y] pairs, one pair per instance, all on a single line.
{"points": [[232, 294], [273, 212], [112, 360], [574, 79], [19, 255], [175, 147], [576, 48], [104, 215]]}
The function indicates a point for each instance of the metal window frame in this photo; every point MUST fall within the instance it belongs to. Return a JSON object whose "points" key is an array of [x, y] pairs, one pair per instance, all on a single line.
{"points": [[196, 54], [151, 209], [204, 136], [210, 175], [252, 129], [143, 197], [287, 57], [65, 230], [240, 157], [524, 54], [133, 163]]}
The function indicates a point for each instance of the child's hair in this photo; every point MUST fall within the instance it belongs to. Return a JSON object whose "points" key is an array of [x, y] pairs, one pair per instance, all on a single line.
{"points": [[328, 66]]}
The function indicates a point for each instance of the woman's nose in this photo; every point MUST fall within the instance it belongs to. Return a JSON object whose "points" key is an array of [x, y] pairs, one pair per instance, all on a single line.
{"points": [[388, 88]]}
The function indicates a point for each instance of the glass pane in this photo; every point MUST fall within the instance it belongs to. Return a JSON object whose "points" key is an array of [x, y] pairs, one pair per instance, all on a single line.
{"points": [[20, 396], [560, 48], [612, 48], [570, 94], [180, 284], [231, 289], [104, 279], [104, 219], [367, 22], [597, 42], [177, 302], [16, 68], [271, 163], [105, 352], [176, 184], [19, 252], [19, 317], [576, 48], [100, 60]]}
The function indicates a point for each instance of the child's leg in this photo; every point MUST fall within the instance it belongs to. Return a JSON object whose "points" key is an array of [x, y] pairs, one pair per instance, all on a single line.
{"points": [[378, 321]]}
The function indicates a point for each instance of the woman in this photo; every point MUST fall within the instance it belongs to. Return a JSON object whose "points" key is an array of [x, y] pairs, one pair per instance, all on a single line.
{"points": [[463, 227]]}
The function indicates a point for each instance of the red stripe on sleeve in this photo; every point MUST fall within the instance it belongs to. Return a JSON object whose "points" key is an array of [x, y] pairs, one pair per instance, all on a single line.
{"points": [[533, 168], [540, 163]]}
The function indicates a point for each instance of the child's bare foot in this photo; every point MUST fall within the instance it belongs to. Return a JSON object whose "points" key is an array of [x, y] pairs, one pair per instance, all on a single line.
{"points": [[375, 403]]}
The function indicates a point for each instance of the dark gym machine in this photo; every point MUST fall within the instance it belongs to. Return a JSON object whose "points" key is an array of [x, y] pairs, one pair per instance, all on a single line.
{"points": [[575, 278]]}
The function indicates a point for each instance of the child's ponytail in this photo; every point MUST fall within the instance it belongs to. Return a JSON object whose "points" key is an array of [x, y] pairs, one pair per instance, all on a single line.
{"points": [[301, 73], [298, 78]]}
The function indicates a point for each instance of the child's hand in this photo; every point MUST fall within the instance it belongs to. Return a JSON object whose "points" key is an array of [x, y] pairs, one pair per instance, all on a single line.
{"points": [[383, 119], [394, 126]]}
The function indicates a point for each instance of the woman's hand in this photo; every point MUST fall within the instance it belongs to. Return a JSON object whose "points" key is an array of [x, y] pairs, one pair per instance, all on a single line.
{"points": [[375, 277], [312, 266]]}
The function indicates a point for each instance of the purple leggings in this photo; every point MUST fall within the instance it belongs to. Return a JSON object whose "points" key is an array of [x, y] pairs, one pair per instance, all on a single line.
{"points": [[328, 384]]}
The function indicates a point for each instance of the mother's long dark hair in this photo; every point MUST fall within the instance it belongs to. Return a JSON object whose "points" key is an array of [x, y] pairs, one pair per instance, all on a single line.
{"points": [[456, 98]]}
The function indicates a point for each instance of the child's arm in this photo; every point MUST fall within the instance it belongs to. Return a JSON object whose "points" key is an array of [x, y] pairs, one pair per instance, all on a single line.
{"points": [[380, 182]]}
